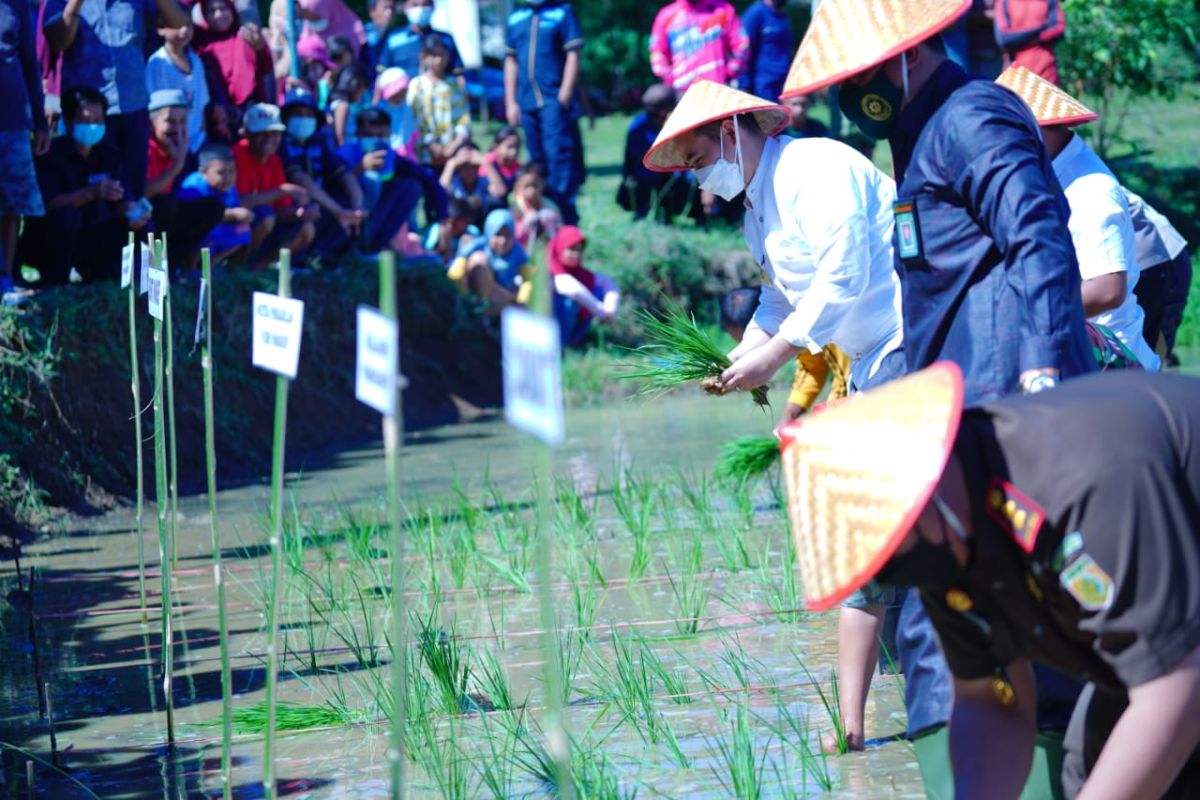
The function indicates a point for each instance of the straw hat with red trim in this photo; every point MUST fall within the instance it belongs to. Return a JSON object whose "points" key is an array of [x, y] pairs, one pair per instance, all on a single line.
{"points": [[860, 472], [1050, 105], [704, 102], [847, 37]]}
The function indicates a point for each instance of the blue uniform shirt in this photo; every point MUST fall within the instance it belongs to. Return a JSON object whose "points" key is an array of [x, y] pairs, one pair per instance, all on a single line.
{"points": [[402, 48], [539, 38], [317, 156], [770, 55], [108, 50], [986, 263]]}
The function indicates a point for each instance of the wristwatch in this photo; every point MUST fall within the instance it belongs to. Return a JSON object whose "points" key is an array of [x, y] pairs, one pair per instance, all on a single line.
{"points": [[1038, 383]]}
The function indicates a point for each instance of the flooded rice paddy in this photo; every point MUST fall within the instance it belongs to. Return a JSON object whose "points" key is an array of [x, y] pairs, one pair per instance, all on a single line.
{"points": [[690, 670]]}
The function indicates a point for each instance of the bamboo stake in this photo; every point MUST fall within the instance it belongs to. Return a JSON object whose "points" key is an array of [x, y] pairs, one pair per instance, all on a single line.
{"points": [[135, 385], [393, 437], [173, 475], [210, 454], [162, 502], [277, 573]]}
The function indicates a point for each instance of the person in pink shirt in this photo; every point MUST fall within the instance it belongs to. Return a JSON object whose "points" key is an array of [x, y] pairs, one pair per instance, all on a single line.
{"points": [[694, 39]]}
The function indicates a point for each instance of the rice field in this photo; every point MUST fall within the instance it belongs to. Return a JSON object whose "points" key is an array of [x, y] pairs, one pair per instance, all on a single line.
{"points": [[685, 661]]}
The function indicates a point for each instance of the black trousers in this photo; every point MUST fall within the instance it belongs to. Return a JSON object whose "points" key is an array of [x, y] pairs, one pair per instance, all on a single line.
{"points": [[66, 238], [1162, 293], [186, 223]]}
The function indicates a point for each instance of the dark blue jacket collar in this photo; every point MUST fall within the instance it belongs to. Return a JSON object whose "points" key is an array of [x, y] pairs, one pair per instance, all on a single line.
{"points": [[941, 84]]}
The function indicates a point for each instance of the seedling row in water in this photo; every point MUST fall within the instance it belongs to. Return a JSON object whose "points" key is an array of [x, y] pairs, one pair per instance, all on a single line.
{"points": [[643, 697]]}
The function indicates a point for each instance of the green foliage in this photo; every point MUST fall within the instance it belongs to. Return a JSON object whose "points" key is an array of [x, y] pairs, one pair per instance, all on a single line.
{"points": [[1115, 50]]}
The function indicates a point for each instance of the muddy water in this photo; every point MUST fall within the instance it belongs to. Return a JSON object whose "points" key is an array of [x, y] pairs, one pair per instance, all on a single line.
{"points": [[102, 664]]}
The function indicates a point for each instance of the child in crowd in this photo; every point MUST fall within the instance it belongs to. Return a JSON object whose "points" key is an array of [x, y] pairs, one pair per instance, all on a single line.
{"points": [[643, 191], [238, 73], [495, 268], [217, 124], [310, 161], [391, 90], [316, 70], [580, 295], [341, 51], [176, 65], [469, 177], [349, 97], [284, 215], [439, 105], [505, 159], [541, 74], [447, 237], [392, 186], [404, 44], [801, 127], [537, 216], [217, 177]]}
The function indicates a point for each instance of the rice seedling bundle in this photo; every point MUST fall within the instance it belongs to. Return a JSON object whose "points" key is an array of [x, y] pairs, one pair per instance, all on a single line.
{"points": [[746, 457], [678, 351]]}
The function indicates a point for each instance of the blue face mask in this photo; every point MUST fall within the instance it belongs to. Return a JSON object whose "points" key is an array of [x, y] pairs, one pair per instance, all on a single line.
{"points": [[301, 128], [420, 16], [874, 106], [87, 134]]}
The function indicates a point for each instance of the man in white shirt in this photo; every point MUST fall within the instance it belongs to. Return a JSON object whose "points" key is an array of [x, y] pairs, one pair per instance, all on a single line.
{"points": [[819, 224], [1100, 225]]}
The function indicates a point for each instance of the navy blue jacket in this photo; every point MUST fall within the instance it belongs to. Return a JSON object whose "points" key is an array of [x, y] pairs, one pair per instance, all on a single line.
{"points": [[770, 55], [986, 263], [539, 38]]}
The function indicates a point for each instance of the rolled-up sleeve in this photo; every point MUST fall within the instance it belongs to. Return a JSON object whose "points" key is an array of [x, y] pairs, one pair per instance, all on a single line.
{"points": [[1008, 190], [773, 309]]}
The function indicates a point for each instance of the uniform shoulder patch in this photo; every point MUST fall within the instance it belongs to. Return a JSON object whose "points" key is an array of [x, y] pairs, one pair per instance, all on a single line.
{"points": [[1088, 583], [1016, 514]]}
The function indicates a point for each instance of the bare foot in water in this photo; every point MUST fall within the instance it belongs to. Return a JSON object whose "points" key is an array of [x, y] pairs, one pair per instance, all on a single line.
{"points": [[829, 743]]}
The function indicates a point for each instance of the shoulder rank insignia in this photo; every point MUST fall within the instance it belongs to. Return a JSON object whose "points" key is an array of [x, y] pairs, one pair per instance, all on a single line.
{"points": [[1088, 583], [1016, 514]]}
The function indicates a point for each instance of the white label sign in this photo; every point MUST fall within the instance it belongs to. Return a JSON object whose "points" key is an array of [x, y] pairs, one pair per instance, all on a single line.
{"points": [[533, 399], [201, 311], [156, 283], [277, 325], [126, 266], [378, 361], [144, 276]]}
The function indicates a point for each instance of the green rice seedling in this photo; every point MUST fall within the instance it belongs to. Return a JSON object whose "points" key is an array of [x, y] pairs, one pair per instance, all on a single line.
{"points": [[798, 733], [678, 351], [695, 490], [735, 553], [469, 512], [448, 663], [691, 598], [742, 761], [290, 717], [780, 586], [497, 768], [493, 680], [578, 511], [674, 682], [591, 772], [463, 557], [442, 761], [508, 573], [745, 458], [743, 502], [570, 655], [832, 702], [636, 512]]}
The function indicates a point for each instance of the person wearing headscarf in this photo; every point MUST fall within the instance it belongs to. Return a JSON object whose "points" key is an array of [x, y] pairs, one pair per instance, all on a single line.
{"points": [[580, 295], [495, 267], [325, 18], [238, 74]]}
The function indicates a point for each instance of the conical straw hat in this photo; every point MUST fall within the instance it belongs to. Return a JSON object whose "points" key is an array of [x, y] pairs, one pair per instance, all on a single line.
{"points": [[860, 472], [704, 102], [847, 37], [1050, 105]]}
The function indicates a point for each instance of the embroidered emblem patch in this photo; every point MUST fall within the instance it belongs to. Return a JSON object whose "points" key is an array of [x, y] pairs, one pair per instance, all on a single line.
{"points": [[1088, 583], [959, 601], [876, 107], [1016, 514], [908, 230]]}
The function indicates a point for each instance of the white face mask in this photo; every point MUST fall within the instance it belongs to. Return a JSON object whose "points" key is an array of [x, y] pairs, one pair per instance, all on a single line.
{"points": [[725, 179]]}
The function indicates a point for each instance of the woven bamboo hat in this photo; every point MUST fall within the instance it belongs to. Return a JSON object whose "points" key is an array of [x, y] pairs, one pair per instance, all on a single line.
{"points": [[847, 37], [860, 472], [1050, 105], [704, 102]]}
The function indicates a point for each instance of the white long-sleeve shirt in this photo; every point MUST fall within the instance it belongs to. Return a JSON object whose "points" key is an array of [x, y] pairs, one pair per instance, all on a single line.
{"points": [[819, 224], [1102, 232]]}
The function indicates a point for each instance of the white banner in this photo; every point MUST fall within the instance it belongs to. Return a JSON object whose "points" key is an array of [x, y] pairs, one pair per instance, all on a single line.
{"points": [[378, 361], [126, 266], [533, 400], [278, 322]]}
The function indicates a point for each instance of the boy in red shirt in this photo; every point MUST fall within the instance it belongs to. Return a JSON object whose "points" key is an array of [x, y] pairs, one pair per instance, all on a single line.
{"points": [[284, 215]]}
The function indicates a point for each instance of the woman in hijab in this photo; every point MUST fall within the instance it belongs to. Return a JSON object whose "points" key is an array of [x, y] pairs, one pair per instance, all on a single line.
{"points": [[323, 18], [494, 267], [238, 73], [580, 295]]}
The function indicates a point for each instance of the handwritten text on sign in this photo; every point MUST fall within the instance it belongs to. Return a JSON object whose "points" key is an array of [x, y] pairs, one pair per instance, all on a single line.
{"points": [[277, 325], [532, 374], [377, 362], [126, 265], [156, 287]]}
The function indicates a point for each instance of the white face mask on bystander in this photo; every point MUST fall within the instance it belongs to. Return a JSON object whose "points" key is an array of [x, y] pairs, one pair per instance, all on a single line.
{"points": [[726, 179]]}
